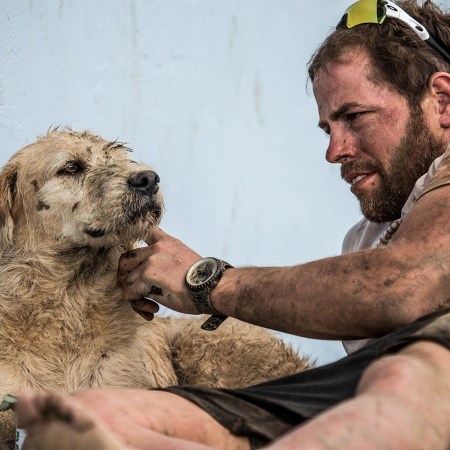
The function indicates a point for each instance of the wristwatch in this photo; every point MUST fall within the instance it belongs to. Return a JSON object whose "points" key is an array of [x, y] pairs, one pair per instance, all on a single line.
{"points": [[201, 278]]}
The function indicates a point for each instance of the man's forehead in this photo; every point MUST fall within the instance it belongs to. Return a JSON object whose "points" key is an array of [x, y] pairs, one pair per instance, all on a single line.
{"points": [[343, 84], [350, 62]]}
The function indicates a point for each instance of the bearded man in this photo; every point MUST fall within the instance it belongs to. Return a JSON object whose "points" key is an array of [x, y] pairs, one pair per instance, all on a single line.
{"points": [[382, 85]]}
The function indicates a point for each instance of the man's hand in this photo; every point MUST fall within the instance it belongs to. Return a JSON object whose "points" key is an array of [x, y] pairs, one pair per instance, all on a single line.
{"points": [[157, 274]]}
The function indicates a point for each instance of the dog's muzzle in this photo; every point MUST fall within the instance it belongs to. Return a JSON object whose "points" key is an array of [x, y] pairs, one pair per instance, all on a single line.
{"points": [[144, 187], [146, 182]]}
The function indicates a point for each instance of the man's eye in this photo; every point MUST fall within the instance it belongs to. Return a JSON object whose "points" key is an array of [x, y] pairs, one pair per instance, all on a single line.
{"points": [[353, 116], [71, 168]]}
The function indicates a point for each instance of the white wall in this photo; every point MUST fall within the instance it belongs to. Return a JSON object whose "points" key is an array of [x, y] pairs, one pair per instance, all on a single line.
{"points": [[212, 93]]}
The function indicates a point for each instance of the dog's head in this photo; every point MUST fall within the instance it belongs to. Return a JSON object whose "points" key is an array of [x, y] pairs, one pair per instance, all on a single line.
{"points": [[76, 189]]}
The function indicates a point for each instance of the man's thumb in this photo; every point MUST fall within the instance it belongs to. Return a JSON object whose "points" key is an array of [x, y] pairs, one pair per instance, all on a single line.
{"points": [[154, 235]]}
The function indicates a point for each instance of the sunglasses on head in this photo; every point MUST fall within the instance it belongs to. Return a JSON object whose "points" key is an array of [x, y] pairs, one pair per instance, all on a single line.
{"points": [[376, 11]]}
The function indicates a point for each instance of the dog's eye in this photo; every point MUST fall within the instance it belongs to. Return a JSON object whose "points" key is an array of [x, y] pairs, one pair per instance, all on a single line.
{"points": [[71, 168]]}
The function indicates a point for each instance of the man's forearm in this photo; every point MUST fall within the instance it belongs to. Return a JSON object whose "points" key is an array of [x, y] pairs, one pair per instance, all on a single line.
{"points": [[363, 294]]}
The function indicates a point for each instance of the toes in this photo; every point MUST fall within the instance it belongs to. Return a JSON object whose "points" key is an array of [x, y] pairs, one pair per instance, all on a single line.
{"points": [[41, 408]]}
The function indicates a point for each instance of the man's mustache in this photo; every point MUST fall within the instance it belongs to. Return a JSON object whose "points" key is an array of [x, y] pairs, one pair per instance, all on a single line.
{"points": [[360, 166]]}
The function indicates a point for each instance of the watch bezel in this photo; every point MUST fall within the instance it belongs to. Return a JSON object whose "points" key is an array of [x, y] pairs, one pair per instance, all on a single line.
{"points": [[216, 269]]}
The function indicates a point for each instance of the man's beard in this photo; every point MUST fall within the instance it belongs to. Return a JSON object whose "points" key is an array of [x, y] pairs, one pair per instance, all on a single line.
{"points": [[410, 160]]}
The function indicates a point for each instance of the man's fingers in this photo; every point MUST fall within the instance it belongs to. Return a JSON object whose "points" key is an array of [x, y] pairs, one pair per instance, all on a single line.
{"points": [[146, 316], [145, 307], [132, 258], [129, 261]]}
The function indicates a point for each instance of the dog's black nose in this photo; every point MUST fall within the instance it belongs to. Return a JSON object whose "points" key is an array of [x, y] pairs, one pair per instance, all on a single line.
{"points": [[145, 182]]}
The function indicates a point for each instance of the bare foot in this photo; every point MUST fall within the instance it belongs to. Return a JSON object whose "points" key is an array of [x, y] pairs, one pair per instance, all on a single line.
{"points": [[56, 422], [118, 420]]}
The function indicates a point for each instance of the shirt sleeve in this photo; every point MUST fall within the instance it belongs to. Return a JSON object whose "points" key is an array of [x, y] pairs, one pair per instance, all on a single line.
{"points": [[440, 178]]}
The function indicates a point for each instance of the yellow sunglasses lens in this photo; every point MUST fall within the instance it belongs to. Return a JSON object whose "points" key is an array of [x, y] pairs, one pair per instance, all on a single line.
{"points": [[364, 11]]}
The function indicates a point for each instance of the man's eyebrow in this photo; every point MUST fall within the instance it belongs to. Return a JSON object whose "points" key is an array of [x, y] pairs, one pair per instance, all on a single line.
{"points": [[336, 115]]}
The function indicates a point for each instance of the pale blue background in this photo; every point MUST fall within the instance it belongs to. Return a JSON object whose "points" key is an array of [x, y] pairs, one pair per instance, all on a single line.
{"points": [[212, 93]]}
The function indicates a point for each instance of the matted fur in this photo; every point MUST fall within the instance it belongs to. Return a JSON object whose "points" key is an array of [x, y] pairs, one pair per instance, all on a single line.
{"points": [[67, 212]]}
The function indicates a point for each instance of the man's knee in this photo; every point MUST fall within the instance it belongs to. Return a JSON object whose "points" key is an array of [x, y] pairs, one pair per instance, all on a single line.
{"points": [[418, 365]]}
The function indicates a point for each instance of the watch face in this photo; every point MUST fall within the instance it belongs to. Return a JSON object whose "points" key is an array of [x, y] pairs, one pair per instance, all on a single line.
{"points": [[202, 271]]}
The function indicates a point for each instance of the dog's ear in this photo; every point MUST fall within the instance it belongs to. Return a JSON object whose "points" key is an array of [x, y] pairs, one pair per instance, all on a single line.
{"points": [[8, 191]]}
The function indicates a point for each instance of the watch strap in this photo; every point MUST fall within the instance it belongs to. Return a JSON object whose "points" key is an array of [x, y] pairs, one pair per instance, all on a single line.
{"points": [[213, 322], [201, 300]]}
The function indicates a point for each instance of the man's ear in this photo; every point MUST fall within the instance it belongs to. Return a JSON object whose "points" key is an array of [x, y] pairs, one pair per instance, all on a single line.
{"points": [[439, 85], [8, 189]]}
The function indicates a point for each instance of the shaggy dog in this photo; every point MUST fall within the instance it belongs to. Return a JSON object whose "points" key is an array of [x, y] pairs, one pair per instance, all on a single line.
{"points": [[70, 205]]}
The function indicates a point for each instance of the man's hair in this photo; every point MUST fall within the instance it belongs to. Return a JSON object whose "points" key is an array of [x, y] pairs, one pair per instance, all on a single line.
{"points": [[400, 59]]}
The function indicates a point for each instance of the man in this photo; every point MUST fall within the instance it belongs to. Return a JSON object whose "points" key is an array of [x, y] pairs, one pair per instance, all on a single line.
{"points": [[383, 95]]}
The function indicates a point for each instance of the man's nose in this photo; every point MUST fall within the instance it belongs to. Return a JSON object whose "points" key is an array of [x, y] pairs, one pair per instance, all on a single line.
{"points": [[341, 148]]}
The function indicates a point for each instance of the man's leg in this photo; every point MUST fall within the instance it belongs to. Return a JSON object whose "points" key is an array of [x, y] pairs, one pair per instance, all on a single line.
{"points": [[113, 419], [402, 401]]}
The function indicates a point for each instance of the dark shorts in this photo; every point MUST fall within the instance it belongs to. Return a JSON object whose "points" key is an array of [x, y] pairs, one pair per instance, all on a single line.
{"points": [[265, 411]]}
